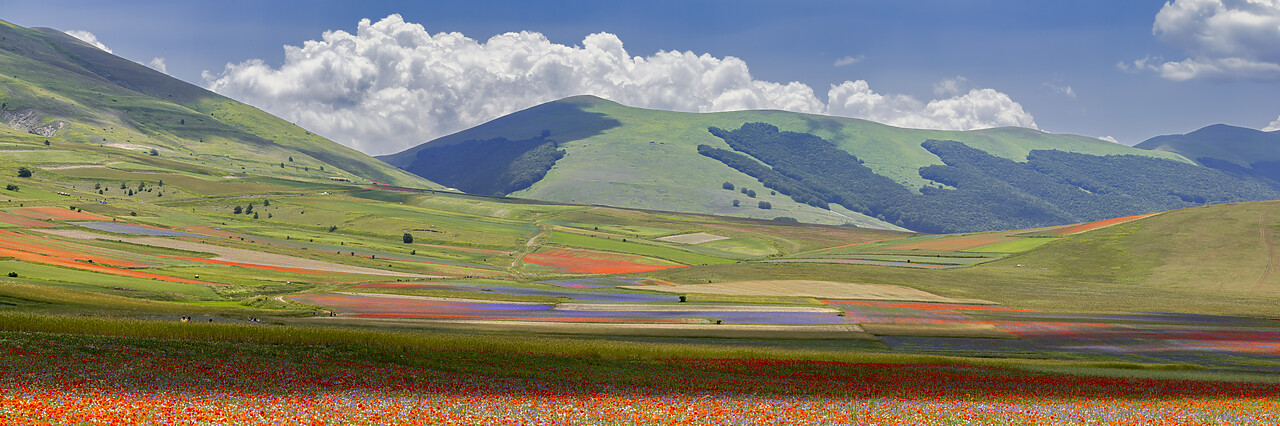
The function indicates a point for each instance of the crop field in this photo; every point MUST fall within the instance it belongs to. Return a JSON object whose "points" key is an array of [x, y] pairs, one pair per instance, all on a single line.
{"points": [[590, 261], [1084, 227]]}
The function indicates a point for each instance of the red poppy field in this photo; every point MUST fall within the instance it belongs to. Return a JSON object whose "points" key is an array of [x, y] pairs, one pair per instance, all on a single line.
{"points": [[60, 379]]}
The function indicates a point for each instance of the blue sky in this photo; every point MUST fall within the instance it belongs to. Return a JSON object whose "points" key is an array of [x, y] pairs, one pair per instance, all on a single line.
{"points": [[1056, 60]]}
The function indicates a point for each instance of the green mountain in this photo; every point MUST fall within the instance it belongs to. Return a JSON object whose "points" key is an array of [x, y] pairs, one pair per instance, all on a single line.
{"points": [[775, 164], [53, 86], [1234, 149]]}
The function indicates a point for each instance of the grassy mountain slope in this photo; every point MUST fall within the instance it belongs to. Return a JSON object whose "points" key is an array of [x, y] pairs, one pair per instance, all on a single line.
{"points": [[1234, 149], [643, 158], [54, 86], [1235, 144], [1219, 256]]}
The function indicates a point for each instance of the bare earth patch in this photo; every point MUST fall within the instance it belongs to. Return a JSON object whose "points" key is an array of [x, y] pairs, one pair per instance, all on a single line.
{"points": [[695, 238], [803, 288], [439, 299]]}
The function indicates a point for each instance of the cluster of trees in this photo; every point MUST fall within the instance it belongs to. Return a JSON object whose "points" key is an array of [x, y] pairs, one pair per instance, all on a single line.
{"points": [[766, 175], [983, 192], [490, 167], [248, 209]]}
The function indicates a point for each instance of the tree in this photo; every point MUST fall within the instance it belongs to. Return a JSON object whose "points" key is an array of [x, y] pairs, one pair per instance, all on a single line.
{"points": [[11, 187], [238, 210], [766, 205], [248, 209], [24, 172], [727, 185], [255, 215], [266, 203], [408, 238], [735, 203], [154, 153], [290, 159]]}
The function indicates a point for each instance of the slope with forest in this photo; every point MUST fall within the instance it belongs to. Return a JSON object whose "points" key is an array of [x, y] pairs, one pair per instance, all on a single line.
{"points": [[774, 164]]}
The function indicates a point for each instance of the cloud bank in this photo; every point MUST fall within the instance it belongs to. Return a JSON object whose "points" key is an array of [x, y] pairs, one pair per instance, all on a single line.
{"points": [[1231, 39], [88, 37], [393, 85], [1274, 126]]}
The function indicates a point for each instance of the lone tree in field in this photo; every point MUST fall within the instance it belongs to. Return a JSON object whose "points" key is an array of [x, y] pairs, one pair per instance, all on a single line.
{"points": [[735, 203], [238, 210], [766, 205], [24, 172], [408, 238], [727, 185]]}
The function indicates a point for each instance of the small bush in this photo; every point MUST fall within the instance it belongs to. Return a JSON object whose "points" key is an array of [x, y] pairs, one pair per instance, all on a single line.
{"points": [[11, 187], [13, 275], [407, 238], [727, 185], [735, 203]]}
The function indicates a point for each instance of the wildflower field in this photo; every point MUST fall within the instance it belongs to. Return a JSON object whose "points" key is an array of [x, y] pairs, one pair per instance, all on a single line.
{"points": [[76, 379]]}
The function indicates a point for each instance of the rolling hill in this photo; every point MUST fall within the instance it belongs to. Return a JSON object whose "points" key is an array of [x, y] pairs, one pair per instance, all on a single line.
{"points": [[1232, 149], [775, 164], [55, 87]]}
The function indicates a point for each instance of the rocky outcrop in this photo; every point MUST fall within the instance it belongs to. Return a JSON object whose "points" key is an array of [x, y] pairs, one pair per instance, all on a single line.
{"points": [[28, 120]]}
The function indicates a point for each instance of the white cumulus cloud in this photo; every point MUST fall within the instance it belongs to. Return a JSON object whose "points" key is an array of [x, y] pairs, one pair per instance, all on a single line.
{"points": [[977, 109], [1234, 39], [88, 37], [393, 85], [1061, 89], [950, 86], [157, 63], [1274, 126], [849, 60], [1109, 139]]}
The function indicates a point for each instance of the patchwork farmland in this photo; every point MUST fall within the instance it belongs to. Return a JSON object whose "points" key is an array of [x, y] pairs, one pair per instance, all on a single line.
{"points": [[672, 311]]}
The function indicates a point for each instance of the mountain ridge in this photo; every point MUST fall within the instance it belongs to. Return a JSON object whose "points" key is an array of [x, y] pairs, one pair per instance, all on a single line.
{"points": [[640, 158]]}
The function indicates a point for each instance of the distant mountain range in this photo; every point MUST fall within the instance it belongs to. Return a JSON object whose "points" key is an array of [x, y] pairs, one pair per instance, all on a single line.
{"points": [[55, 86], [811, 168]]}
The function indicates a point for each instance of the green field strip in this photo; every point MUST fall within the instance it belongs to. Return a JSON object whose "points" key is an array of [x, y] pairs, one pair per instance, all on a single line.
{"points": [[104, 281], [680, 256], [1016, 246]]}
